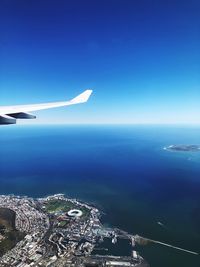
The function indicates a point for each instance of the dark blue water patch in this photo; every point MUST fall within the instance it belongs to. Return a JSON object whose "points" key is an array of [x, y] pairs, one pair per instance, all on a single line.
{"points": [[121, 247]]}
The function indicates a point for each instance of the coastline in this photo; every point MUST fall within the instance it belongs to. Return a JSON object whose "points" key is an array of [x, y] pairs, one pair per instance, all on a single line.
{"points": [[46, 218]]}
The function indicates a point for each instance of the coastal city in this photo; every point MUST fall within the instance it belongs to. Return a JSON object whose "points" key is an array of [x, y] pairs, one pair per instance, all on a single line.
{"points": [[58, 231]]}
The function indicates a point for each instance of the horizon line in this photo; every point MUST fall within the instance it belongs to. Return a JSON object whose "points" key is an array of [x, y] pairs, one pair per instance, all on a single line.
{"points": [[107, 124]]}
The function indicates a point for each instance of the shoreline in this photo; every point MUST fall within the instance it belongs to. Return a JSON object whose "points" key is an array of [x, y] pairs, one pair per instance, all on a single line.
{"points": [[68, 228]]}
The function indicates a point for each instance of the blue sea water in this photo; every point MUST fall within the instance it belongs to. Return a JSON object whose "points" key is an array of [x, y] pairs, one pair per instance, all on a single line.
{"points": [[123, 169]]}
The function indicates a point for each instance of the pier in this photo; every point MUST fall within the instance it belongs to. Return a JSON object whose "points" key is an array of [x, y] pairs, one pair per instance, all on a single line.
{"points": [[142, 240]]}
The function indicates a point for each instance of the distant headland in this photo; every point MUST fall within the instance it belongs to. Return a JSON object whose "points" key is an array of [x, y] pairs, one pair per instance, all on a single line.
{"points": [[183, 148]]}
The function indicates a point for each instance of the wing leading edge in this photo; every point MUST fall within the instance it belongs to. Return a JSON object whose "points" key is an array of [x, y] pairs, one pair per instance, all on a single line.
{"points": [[9, 114]]}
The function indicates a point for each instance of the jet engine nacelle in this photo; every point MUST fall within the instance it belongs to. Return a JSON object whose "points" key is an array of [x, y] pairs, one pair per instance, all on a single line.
{"points": [[4, 119], [11, 119]]}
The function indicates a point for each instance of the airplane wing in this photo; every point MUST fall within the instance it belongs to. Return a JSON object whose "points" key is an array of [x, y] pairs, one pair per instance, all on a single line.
{"points": [[9, 114]]}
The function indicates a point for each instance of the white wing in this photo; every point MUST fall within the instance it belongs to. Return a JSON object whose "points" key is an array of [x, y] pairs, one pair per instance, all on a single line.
{"points": [[9, 114]]}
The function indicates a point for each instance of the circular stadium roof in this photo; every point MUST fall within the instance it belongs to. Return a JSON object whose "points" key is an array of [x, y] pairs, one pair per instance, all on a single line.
{"points": [[75, 213]]}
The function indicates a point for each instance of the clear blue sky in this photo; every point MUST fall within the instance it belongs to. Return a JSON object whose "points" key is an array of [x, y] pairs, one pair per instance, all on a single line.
{"points": [[142, 57]]}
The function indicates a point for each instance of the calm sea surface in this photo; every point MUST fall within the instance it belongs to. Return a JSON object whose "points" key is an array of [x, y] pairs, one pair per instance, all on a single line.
{"points": [[123, 169]]}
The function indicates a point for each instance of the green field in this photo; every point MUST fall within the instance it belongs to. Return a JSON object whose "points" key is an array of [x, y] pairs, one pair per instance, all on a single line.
{"points": [[54, 206]]}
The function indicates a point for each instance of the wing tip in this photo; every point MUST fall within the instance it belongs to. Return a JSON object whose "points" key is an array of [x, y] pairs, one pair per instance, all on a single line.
{"points": [[83, 97]]}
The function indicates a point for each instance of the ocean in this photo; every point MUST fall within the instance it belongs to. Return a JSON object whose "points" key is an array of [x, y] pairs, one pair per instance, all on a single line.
{"points": [[121, 169]]}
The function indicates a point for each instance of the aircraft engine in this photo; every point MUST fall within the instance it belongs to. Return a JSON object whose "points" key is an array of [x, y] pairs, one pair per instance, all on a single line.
{"points": [[4, 119]]}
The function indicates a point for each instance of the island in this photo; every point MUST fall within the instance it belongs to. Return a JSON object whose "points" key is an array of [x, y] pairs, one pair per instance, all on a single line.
{"points": [[59, 231], [183, 148]]}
